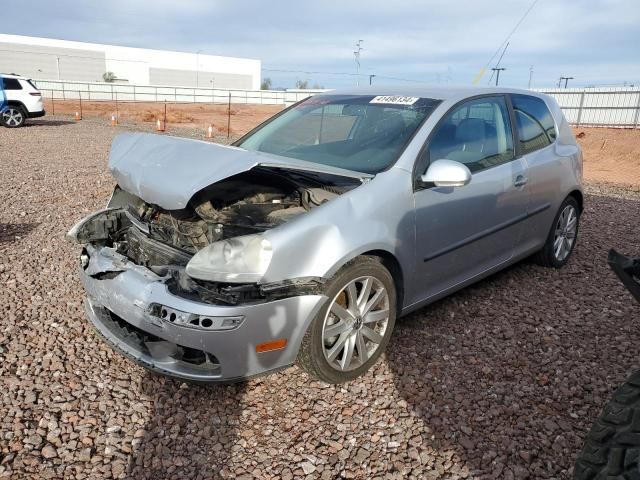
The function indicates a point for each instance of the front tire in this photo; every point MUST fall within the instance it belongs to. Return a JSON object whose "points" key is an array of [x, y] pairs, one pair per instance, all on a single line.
{"points": [[612, 447], [13, 116], [562, 237], [351, 331]]}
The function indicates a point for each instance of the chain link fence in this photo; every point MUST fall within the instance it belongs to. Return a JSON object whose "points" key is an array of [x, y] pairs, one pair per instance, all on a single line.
{"points": [[218, 111]]}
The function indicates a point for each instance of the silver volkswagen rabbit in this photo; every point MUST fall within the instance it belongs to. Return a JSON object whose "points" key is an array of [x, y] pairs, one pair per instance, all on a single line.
{"points": [[306, 240]]}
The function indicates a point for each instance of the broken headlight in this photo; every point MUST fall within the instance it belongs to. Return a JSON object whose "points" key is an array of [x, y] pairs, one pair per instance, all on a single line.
{"points": [[241, 259]]}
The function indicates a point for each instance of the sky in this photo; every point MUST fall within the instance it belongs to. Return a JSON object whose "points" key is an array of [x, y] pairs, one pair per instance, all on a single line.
{"points": [[404, 41]]}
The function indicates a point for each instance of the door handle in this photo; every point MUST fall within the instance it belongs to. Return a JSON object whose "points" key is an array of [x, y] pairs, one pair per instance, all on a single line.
{"points": [[521, 181]]}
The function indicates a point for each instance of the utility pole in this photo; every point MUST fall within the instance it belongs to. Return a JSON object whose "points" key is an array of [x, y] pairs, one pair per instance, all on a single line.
{"points": [[566, 81], [371, 79], [530, 76], [198, 68], [498, 65], [497, 72], [356, 54]]}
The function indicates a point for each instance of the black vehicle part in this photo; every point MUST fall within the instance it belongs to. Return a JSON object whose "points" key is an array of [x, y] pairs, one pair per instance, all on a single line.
{"points": [[628, 271], [104, 228], [612, 446]]}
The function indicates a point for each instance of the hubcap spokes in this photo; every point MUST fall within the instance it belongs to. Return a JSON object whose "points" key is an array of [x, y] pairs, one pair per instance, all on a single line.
{"points": [[12, 117], [565, 233], [355, 323]]}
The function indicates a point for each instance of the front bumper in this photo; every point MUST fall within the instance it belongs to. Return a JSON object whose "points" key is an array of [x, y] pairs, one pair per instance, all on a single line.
{"points": [[121, 307]]}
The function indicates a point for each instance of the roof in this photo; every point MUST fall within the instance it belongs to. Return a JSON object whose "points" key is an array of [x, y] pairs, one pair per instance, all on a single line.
{"points": [[12, 75], [452, 93]]}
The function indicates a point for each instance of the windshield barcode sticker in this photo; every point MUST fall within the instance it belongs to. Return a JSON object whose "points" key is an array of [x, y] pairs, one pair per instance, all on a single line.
{"points": [[395, 99]]}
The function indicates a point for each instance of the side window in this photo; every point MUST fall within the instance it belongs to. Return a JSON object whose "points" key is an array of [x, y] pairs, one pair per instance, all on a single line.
{"points": [[11, 84], [536, 128], [476, 133]]}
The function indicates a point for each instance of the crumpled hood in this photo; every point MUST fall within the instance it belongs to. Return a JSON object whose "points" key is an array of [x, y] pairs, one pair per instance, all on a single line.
{"points": [[168, 171]]}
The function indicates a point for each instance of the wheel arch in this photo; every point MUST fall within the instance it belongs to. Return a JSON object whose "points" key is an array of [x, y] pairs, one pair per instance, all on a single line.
{"points": [[391, 263], [16, 103], [579, 197], [388, 260]]}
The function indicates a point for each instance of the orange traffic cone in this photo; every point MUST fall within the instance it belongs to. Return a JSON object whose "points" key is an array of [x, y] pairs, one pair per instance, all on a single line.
{"points": [[210, 131], [114, 121], [77, 116], [159, 126]]}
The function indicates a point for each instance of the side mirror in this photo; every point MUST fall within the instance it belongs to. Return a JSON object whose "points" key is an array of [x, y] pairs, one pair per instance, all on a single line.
{"points": [[447, 173]]}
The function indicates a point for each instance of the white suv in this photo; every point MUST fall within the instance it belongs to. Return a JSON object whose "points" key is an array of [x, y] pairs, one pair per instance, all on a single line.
{"points": [[19, 100]]}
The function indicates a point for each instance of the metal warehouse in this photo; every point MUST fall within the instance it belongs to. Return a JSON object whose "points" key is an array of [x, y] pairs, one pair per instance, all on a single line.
{"points": [[45, 58]]}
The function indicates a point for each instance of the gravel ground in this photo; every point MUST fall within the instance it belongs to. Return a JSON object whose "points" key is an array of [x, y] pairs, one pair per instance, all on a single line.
{"points": [[501, 380]]}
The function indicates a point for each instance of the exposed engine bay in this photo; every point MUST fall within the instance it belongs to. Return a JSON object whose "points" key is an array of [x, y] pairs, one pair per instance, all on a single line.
{"points": [[251, 202]]}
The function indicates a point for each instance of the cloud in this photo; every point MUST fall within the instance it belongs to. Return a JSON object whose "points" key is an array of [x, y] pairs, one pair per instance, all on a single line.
{"points": [[593, 40]]}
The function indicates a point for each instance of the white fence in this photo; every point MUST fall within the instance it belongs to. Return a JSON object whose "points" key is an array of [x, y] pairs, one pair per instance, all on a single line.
{"points": [[603, 107], [606, 107], [99, 91]]}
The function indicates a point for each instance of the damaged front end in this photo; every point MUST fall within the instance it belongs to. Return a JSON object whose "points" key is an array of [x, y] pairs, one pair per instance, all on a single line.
{"points": [[190, 248], [174, 267]]}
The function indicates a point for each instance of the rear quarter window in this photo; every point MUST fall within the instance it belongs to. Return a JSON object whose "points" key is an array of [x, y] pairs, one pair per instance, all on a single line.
{"points": [[536, 128], [11, 84]]}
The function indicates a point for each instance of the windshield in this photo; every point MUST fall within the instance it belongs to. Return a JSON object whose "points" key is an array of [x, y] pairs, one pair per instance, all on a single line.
{"points": [[364, 133]]}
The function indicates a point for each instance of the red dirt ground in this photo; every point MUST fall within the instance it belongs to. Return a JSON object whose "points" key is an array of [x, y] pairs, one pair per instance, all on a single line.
{"points": [[198, 115], [611, 155]]}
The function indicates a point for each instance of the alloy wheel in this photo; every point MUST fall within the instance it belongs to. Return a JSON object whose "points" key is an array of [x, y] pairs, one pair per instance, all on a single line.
{"points": [[12, 117], [565, 233], [355, 323]]}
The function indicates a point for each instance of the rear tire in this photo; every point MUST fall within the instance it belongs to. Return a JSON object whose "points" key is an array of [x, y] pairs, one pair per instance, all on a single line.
{"points": [[351, 331], [13, 116], [563, 236], [612, 446]]}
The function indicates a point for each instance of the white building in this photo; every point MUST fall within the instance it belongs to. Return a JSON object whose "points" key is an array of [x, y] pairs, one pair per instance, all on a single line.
{"points": [[44, 58]]}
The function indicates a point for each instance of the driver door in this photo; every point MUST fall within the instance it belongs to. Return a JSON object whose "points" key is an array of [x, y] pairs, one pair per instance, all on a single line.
{"points": [[462, 232]]}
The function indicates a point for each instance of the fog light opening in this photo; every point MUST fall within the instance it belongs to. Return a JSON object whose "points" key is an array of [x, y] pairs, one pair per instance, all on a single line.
{"points": [[206, 322]]}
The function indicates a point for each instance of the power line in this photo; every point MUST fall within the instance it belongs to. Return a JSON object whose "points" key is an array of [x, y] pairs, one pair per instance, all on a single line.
{"points": [[318, 72], [402, 79], [506, 40], [89, 57], [311, 72]]}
